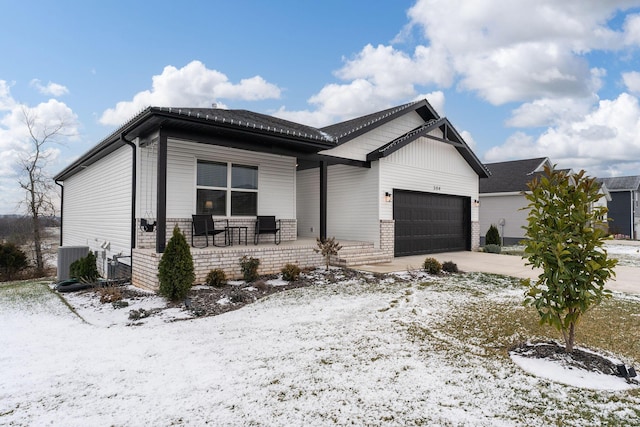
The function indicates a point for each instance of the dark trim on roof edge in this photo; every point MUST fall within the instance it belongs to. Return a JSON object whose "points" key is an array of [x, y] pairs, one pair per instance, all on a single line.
{"points": [[447, 130], [406, 139], [429, 114], [152, 118]]}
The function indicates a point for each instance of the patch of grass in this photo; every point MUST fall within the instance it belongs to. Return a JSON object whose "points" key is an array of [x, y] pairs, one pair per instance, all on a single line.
{"points": [[482, 321], [32, 296]]}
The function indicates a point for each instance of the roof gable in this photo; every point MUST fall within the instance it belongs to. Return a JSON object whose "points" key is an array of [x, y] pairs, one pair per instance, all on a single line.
{"points": [[512, 176], [350, 129]]}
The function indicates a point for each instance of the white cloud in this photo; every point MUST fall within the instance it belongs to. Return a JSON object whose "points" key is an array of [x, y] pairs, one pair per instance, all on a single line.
{"points": [[632, 29], [518, 51], [14, 140], [603, 141], [632, 81], [504, 52], [53, 89], [550, 111], [193, 85]]}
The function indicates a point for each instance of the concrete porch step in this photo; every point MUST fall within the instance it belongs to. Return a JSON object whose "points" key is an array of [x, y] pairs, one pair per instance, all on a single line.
{"points": [[360, 255]]}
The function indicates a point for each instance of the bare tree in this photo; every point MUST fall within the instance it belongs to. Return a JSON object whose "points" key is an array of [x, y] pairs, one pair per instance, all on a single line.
{"points": [[39, 188]]}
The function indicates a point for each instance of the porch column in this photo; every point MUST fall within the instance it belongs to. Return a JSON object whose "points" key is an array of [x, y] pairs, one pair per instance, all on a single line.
{"points": [[161, 207], [323, 200]]}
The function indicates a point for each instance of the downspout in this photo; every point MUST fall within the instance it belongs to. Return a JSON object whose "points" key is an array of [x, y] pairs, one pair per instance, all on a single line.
{"points": [[61, 208], [133, 191], [323, 200]]}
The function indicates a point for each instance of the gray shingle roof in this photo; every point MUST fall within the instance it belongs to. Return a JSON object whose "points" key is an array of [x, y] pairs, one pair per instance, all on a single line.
{"points": [[251, 120], [622, 183], [512, 176], [344, 131]]}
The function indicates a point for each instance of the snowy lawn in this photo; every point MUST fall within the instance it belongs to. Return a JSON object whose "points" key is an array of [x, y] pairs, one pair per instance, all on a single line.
{"points": [[626, 254], [414, 350]]}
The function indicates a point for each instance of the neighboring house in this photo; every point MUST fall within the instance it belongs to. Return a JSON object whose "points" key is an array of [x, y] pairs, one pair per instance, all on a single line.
{"points": [[502, 197], [624, 215], [402, 180]]}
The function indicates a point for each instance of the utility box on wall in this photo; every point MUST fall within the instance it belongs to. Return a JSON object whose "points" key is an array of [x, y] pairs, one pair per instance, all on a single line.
{"points": [[66, 256]]}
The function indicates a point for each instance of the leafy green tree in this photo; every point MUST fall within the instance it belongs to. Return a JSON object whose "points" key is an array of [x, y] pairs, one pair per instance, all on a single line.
{"points": [[12, 260], [565, 238], [175, 271]]}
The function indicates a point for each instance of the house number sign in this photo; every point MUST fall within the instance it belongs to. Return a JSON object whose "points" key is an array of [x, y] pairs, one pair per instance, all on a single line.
{"points": [[436, 188]]}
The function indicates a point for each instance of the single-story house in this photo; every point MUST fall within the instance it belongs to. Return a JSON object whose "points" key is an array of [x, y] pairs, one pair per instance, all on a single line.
{"points": [[502, 197], [623, 212], [397, 182]]}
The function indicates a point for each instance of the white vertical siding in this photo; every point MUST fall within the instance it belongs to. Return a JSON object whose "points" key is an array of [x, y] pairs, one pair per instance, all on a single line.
{"points": [[359, 147], [276, 177], [353, 203], [308, 202], [429, 166], [97, 204]]}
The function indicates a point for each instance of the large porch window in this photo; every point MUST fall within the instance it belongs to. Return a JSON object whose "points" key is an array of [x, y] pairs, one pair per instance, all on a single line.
{"points": [[226, 189]]}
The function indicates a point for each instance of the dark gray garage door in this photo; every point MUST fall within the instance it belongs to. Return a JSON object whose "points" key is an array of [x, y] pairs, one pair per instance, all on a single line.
{"points": [[429, 223]]}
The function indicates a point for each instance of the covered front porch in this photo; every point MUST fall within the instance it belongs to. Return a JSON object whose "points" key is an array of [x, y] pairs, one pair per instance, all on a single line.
{"points": [[272, 258]]}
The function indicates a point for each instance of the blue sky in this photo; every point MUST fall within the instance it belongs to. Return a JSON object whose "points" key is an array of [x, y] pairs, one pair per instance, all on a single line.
{"points": [[518, 79]]}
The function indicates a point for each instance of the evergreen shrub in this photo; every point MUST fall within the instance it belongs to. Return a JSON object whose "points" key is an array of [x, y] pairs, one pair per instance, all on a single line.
{"points": [[12, 260], [217, 278], [450, 267], [432, 266], [493, 236], [249, 267], [176, 272], [290, 272], [85, 268]]}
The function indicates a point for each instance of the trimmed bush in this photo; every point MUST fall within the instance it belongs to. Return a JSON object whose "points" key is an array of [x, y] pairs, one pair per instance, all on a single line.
{"points": [[432, 266], [249, 267], [493, 236], [85, 268], [493, 249], [12, 260], [450, 267], [217, 278], [290, 272], [175, 271]]}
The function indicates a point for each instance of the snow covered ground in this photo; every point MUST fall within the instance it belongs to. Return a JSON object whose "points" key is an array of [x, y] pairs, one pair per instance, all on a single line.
{"points": [[367, 352]]}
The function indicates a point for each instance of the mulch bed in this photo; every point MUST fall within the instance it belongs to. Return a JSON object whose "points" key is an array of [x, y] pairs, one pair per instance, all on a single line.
{"points": [[205, 300], [578, 359]]}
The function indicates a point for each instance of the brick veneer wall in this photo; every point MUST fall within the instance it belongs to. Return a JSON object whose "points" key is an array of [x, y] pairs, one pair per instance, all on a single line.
{"points": [[272, 259], [387, 236], [475, 235], [147, 240]]}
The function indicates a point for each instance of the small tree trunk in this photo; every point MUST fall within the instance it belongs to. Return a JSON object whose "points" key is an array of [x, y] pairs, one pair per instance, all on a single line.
{"points": [[570, 338], [37, 241]]}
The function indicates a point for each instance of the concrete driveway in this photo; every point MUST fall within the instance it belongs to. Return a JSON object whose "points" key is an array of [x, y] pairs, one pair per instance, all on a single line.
{"points": [[627, 278]]}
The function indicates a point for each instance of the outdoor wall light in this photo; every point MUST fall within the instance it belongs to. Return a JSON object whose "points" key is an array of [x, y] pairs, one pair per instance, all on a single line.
{"points": [[387, 196], [476, 203]]}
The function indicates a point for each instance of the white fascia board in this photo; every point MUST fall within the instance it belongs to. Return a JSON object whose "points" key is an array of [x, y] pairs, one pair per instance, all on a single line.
{"points": [[510, 193]]}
